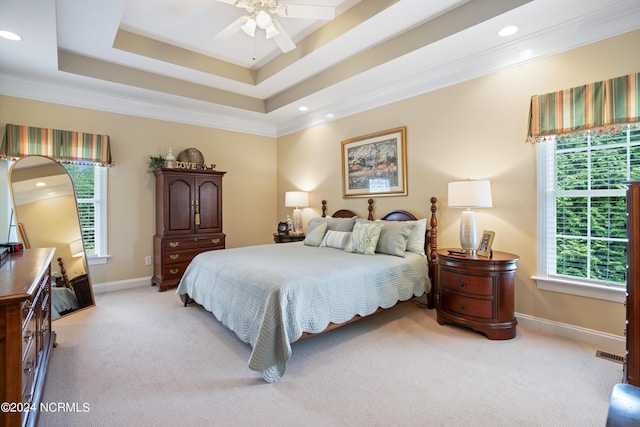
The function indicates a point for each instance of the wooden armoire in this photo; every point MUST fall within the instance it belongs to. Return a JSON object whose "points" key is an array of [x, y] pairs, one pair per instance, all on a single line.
{"points": [[188, 221], [632, 365]]}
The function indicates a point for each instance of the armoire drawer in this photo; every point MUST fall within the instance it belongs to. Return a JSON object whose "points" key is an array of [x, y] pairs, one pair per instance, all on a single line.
{"points": [[174, 271], [210, 242], [180, 257]]}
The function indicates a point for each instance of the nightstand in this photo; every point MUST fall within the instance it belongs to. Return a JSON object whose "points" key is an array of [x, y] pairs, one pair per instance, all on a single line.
{"points": [[287, 238], [477, 292]]}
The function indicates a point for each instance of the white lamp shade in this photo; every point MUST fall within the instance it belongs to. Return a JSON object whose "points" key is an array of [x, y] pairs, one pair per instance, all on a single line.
{"points": [[296, 199], [248, 25], [470, 194], [263, 19], [76, 248]]}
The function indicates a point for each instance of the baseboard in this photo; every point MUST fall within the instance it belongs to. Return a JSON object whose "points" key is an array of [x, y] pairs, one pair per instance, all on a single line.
{"points": [[100, 288], [602, 340]]}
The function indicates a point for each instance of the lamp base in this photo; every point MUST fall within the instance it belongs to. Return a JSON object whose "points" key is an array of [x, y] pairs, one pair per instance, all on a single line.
{"points": [[297, 221], [468, 232]]}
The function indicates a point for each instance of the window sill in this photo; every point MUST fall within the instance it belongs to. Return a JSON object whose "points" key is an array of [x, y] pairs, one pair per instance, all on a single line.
{"points": [[583, 289], [97, 260]]}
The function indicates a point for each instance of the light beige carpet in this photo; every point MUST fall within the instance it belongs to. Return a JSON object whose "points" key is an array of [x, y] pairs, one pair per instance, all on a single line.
{"points": [[141, 359]]}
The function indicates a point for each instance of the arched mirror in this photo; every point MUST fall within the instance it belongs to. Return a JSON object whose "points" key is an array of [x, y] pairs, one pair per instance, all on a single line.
{"points": [[46, 214]]}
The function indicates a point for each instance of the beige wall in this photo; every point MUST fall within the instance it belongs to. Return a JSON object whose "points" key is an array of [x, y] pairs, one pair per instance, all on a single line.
{"points": [[249, 187], [472, 130], [56, 230]]}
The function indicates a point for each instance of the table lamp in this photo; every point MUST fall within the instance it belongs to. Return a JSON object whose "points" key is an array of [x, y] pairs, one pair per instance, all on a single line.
{"points": [[297, 200], [76, 248], [469, 194]]}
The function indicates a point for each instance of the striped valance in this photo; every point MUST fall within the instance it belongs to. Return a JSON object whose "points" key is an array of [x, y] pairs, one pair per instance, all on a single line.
{"points": [[61, 145], [601, 106]]}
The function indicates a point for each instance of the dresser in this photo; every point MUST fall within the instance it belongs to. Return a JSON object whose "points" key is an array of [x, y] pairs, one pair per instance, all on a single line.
{"points": [[188, 221], [26, 338], [632, 364], [477, 292]]}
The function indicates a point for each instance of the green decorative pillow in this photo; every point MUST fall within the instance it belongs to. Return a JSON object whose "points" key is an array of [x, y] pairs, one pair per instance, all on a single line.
{"points": [[364, 237], [416, 238], [394, 237], [315, 235]]}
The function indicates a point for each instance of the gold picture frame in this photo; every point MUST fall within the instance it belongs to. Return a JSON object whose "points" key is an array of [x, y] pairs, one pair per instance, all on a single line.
{"points": [[486, 240], [375, 164]]}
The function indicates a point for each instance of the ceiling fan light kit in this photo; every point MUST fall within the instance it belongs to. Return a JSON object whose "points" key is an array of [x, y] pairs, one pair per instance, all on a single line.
{"points": [[261, 16]]}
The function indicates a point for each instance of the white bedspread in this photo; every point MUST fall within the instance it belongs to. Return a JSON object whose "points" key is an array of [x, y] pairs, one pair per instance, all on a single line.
{"points": [[270, 294]]}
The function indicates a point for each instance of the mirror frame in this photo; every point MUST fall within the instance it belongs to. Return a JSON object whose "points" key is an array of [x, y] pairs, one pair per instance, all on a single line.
{"points": [[53, 166]]}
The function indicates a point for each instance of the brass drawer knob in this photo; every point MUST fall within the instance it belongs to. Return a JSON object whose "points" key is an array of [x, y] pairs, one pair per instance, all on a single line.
{"points": [[174, 256], [174, 271], [174, 244], [462, 285], [28, 367], [463, 307]]}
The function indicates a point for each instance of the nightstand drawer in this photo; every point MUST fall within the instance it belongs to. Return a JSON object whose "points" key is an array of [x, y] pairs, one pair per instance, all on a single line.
{"points": [[467, 306], [467, 283]]}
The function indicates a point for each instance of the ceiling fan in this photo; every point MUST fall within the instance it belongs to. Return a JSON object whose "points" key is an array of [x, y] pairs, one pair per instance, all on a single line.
{"points": [[262, 15]]}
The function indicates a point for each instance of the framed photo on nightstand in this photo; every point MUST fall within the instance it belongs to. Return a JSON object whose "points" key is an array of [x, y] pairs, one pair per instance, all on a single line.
{"points": [[486, 240]]}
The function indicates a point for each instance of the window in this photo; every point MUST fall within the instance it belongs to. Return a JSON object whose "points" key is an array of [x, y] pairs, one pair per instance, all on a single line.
{"points": [[582, 211], [91, 193]]}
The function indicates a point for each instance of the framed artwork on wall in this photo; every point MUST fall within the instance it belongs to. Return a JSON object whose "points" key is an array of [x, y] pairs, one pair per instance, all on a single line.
{"points": [[375, 164]]}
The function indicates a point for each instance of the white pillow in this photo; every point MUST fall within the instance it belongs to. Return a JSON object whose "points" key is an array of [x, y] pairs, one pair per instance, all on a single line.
{"points": [[336, 239], [364, 237], [416, 238]]}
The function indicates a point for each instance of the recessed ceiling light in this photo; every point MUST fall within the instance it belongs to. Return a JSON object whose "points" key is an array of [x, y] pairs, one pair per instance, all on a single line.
{"points": [[508, 31], [9, 35], [40, 184], [303, 108]]}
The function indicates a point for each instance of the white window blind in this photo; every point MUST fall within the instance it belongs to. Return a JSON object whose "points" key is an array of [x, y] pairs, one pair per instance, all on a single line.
{"points": [[90, 187], [582, 205]]}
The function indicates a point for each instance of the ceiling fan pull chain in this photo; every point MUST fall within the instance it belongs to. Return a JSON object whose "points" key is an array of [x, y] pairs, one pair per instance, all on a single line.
{"points": [[254, 48]]}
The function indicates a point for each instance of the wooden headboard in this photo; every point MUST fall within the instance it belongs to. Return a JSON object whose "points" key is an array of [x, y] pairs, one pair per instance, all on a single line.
{"points": [[430, 238]]}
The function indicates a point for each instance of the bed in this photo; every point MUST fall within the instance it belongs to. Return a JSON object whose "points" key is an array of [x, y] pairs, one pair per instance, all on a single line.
{"points": [[347, 268]]}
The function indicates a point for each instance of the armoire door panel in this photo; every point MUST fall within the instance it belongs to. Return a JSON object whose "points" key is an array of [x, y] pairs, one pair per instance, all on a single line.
{"points": [[209, 207], [180, 206]]}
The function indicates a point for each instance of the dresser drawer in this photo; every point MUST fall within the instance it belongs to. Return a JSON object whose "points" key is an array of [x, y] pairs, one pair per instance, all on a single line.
{"points": [[29, 330], [210, 242], [470, 284], [45, 324], [174, 271], [180, 257], [28, 368], [467, 306]]}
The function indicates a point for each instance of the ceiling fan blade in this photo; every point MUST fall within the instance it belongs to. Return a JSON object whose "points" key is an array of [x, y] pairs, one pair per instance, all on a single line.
{"points": [[242, 4], [283, 40], [231, 29], [305, 11]]}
